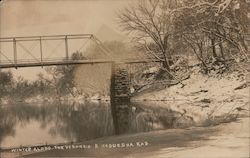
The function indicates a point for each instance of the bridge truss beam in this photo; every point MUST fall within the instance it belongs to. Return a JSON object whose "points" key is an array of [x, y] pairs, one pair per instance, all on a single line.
{"points": [[39, 59]]}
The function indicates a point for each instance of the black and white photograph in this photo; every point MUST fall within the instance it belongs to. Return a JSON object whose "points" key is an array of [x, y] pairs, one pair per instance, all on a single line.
{"points": [[125, 78]]}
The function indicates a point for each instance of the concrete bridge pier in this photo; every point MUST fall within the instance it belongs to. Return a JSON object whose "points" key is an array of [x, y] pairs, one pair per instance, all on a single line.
{"points": [[120, 98]]}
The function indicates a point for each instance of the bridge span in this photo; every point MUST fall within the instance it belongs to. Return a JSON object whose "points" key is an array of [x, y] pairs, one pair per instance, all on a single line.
{"points": [[55, 62], [33, 51]]}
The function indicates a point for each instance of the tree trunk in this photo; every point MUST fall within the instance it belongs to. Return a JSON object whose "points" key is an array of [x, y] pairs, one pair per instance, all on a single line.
{"points": [[200, 48], [221, 51], [213, 48], [165, 63], [165, 72]]}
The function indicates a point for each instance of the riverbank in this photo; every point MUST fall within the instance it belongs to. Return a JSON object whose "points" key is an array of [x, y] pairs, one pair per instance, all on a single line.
{"points": [[207, 99], [50, 99], [228, 140]]}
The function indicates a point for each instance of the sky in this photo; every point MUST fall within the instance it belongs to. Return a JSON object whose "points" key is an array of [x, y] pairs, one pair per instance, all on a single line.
{"points": [[52, 17]]}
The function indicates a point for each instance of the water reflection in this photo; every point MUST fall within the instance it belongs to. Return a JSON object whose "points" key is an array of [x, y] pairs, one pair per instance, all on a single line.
{"points": [[59, 123], [70, 123]]}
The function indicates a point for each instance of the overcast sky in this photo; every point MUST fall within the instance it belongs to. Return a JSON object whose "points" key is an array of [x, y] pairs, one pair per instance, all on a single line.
{"points": [[51, 17], [36, 17]]}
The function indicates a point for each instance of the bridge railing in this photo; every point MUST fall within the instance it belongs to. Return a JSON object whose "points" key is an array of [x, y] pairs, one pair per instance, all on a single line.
{"points": [[35, 51], [49, 37], [13, 49]]}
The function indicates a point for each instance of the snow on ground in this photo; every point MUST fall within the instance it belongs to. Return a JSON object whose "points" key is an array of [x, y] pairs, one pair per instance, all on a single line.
{"points": [[204, 97]]}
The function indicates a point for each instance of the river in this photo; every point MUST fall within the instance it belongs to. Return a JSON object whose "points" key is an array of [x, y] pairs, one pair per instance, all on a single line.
{"points": [[45, 124], [23, 124]]}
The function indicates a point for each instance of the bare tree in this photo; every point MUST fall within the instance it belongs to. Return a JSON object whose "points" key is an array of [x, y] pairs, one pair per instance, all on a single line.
{"points": [[209, 27], [212, 28], [149, 22]]}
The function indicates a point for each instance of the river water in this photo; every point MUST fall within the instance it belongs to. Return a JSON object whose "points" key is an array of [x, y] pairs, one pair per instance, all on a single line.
{"points": [[23, 124]]}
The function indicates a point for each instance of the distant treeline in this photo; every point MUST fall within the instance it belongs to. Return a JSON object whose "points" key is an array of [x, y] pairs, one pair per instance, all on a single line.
{"points": [[57, 82]]}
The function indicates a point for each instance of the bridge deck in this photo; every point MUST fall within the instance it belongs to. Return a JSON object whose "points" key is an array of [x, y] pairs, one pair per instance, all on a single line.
{"points": [[34, 63], [14, 48]]}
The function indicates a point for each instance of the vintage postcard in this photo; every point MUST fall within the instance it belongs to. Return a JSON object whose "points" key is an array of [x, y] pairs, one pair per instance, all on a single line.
{"points": [[125, 78]]}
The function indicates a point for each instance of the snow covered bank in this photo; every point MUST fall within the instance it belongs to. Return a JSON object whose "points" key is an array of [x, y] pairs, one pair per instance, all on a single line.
{"points": [[204, 98]]}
